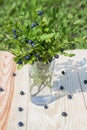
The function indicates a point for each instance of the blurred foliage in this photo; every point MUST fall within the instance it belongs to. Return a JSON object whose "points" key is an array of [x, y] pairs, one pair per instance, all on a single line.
{"points": [[64, 14]]}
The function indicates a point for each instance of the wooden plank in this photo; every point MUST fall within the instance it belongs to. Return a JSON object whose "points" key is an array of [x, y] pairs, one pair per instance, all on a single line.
{"points": [[35, 117], [16, 116], [51, 118], [75, 107], [80, 62], [82, 74], [7, 67]]}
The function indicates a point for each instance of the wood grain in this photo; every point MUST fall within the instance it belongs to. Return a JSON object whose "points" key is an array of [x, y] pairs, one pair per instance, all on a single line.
{"points": [[21, 84], [7, 67], [51, 118], [36, 117], [83, 76]]}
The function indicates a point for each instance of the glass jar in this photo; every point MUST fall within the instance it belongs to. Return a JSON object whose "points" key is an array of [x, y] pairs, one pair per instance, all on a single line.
{"points": [[41, 82]]}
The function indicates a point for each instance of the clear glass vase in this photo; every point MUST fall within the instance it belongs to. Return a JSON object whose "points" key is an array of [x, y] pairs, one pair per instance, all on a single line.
{"points": [[41, 82]]}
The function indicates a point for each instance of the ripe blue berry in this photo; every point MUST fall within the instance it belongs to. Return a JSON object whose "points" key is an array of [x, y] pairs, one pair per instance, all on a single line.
{"points": [[63, 72], [37, 55], [20, 61], [20, 124], [62, 50], [22, 93], [14, 30], [27, 57], [30, 41], [39, 58], [15, 36], [64, 114], [69, 96], [56, 56], [34, 25], [33, 44], [61, 87], [20, 109], [50, 60], [40, 12], [45, 107], [14, 74], [85, 81], [1, 89]]}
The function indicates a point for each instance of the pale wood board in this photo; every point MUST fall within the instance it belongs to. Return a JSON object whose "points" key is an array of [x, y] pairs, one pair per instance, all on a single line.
{"points": [[7, 68], [51, 119], [21, 84], [36, 117]]}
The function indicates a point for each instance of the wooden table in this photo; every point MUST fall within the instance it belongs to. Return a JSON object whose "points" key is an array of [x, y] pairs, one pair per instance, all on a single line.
{"points": [[34, 117]]}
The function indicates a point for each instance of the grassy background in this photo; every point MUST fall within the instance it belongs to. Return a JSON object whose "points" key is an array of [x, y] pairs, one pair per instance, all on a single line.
{"points": [[64, 14]]}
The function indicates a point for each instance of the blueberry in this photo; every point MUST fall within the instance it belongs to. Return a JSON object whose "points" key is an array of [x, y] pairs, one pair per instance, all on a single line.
{"points": [[27, 48], [69, 96], [85, 81], [14, 74], [20, 124], [15, 36], [40, 12], [34, 25], [40, 58], [1, 89], [45, 107], [64, 114], [30, 41], [14, 30], [63, 72], [37, 55], [33, 44], [56, 56], [50, 60], [61, 87], [20, 109], [22, 93], [27, 57], [19, 61], [62, 50]]}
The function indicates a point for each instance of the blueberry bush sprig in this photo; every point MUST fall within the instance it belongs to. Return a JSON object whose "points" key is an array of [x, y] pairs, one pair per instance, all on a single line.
{"points": [[36, 39]]}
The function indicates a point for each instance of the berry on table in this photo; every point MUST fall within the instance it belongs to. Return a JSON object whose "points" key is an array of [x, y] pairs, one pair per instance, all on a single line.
{"points": [[63, 72], [45, 107], [20, 124], [1, 89], [22, 93], [14, 74], [61, 88], [85, 81], [20, 109], [64, 114], [69, 96]]}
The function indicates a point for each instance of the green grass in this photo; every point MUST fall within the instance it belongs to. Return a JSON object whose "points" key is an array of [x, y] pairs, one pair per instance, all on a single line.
{"points": [[65, 15]]}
